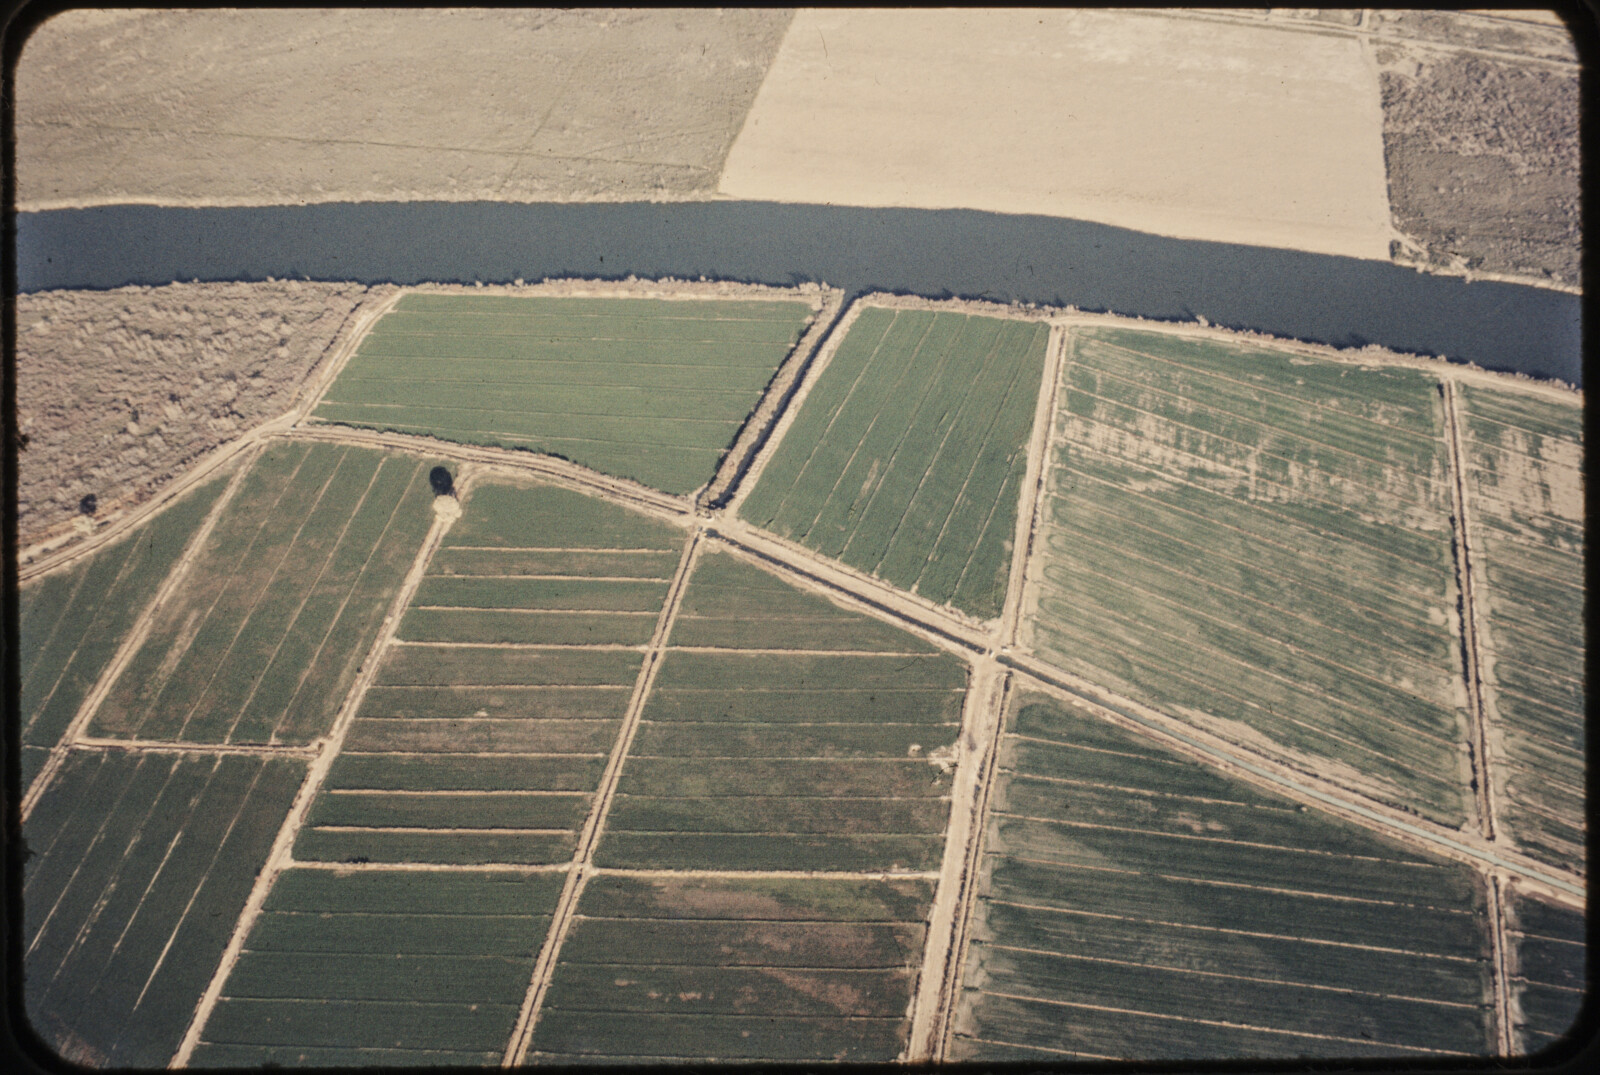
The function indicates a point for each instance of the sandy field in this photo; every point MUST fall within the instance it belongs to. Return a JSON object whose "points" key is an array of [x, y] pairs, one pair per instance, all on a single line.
{"points": [[1191, 128], [271, 107]]}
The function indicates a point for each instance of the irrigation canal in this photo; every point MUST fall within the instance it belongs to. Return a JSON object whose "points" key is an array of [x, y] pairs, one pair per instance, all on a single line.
{"points": [[1346, 302]]}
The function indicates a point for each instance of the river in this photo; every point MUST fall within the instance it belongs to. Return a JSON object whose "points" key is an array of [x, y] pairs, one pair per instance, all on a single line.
{"points": [[1347, 302]]}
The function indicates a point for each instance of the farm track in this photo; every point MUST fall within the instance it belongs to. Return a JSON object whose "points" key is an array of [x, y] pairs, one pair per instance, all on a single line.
{"points": [[282, 847], [1482, 769], [583, 858]]}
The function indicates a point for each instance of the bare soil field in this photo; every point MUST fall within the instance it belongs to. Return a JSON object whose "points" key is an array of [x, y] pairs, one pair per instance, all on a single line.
{"points": [[1126, 118], [288, 107], [118, 391]]}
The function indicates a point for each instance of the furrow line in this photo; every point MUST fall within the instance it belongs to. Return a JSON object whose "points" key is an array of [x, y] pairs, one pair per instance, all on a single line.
{"points": [[131, 644], [582, 865], [281, 855]]}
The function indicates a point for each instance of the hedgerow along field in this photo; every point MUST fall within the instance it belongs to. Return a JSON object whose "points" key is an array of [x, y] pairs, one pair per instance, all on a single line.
{"points": [[71, 622], [393, 968], [907, 457], [264, 638], [786, 732], [1524, 457], [139, 865], [1136, 904], [1261, 543], [649, 389], [485, 732], [674, 969]]}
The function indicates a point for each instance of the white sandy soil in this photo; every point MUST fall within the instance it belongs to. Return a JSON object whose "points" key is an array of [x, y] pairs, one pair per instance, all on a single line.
{"points": [[1195, 129]]}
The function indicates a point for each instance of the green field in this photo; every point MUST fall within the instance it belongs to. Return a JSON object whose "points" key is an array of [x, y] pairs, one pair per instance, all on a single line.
{"points": [[1136, 904], [1549, 981], [675, 969], [466, 751], [138, 867], [1261, 543], [653, 390], [786, 732], [1525, 495], [71, 622], [391, 968], [907, 457], [264, 638]]}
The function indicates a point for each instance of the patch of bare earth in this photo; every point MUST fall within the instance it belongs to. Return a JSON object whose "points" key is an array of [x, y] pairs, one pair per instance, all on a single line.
{"points": [[119, 391], [1483, 162]]}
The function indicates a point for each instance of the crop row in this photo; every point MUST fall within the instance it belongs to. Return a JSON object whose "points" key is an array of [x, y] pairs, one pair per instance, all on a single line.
{"points": [[794, 734], [71, 623], [1549, 976], [643, 389], [140, 865], [1262, 545], [906, 458], [735, 969], [1526, 503], [279, 608], [392, 968], [1136, 904], [470, 752]]}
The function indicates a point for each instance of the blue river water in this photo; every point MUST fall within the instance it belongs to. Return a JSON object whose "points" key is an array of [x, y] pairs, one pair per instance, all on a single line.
{"points": [[1347, 302]]}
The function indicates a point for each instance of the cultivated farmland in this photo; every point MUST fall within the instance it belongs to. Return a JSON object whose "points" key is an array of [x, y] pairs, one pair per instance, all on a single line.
{"points": [[786, 732], [1260, 543], [1548, 976], [72, 621], [696, 968], [389, 968], [484, 735], [140, 864], [1524, 459], [649, 389], [1137, 904], [263, 640], [907, 457]]}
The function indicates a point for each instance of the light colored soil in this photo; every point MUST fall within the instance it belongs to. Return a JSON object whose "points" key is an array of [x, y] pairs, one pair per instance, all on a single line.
{"points": [[1197, 129], [119, 390], [265, 107]]}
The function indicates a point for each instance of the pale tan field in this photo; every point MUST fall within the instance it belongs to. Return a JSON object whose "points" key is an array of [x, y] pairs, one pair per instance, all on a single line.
{"points": [[1195, 129]]}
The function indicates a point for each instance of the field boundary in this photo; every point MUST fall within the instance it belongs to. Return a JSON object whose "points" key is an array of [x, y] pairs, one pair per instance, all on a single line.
{"points": [[1030, 506], [805, 380], [775, 401], [556, 471], [944, 956], [1478, 732], [131, 642], [1302, 786], [1501, 984], [583, 857], [281, 855]]}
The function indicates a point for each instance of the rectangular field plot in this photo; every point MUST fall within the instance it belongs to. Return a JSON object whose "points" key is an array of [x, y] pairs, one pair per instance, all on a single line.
{"points": [[907, 457], [1260, 543], [1523, 464], [387, 968], [786, 732], [279, 608], [140, 865], [1138, 905], [483, 738], [1548, 974], [648, 389], [798, 969], [71, 622]]}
